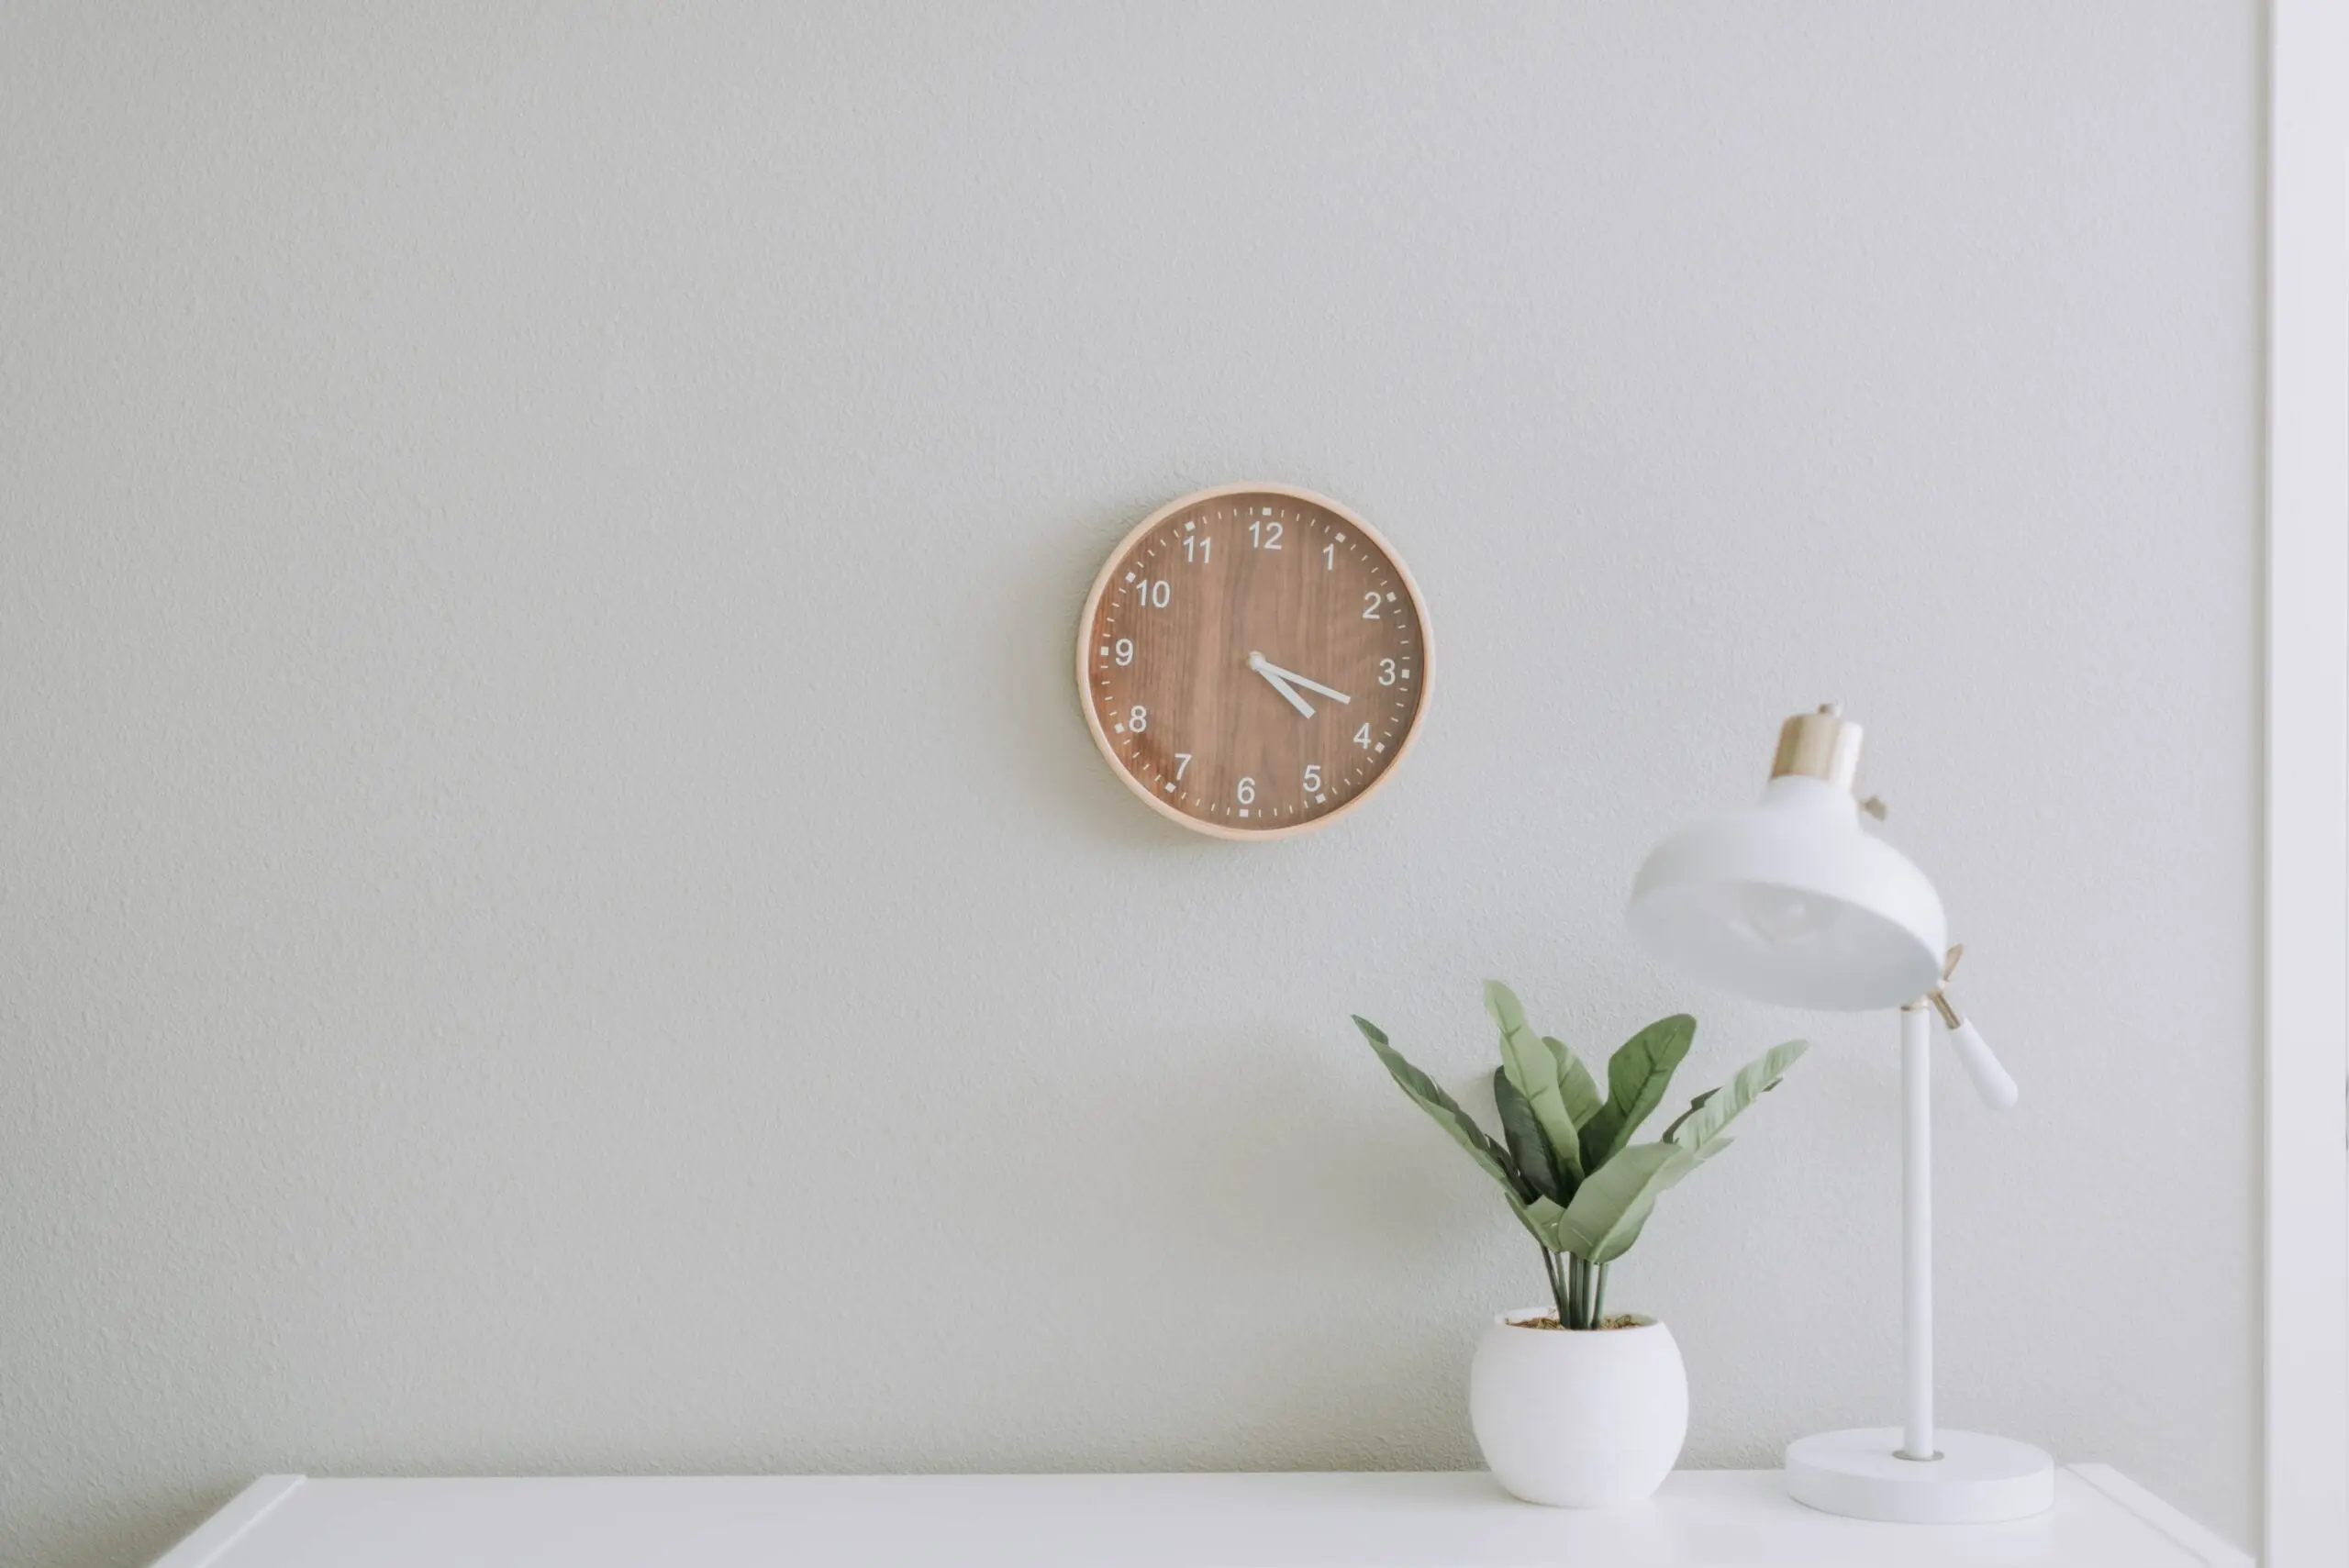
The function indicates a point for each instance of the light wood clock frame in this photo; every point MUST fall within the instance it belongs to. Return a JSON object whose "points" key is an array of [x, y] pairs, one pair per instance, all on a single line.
{"points": [[1253, 660]]}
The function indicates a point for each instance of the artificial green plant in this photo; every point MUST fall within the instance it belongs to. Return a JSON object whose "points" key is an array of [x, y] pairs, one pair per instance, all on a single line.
{"points": [[1565, 1160]]}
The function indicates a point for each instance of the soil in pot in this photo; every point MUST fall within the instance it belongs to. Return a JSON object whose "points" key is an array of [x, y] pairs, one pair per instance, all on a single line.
{"points": [[1614, 1320]]}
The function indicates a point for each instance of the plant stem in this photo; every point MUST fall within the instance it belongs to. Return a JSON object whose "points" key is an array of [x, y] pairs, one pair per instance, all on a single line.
{"points": [[1599, 1299], [1580, 1273], [1557, 1283]]}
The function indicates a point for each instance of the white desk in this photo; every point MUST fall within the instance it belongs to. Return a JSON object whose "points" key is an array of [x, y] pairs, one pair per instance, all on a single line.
{"points": [[1718, 1519]]}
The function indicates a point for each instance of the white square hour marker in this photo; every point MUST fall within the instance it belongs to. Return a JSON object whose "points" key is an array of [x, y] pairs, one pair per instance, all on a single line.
{"points": [[1320, 798], [1170, 789], [1130, 576], [1390, 599], [1243, 811], [1189, 526], [1382, 746], [1121, 728]]}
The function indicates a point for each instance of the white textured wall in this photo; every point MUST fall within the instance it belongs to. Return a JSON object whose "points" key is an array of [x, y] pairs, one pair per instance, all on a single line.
{"points": [[556, 908]]}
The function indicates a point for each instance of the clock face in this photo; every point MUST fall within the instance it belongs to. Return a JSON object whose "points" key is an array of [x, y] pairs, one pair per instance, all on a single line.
{"points": [[1254, 660]]}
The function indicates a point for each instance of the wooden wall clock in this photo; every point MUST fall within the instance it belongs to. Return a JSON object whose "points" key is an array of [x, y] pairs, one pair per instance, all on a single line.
{"points": [[1253, 660]]}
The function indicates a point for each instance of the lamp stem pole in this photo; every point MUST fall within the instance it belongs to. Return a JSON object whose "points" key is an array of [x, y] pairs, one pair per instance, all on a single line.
{"points": [[1917, 1231]]}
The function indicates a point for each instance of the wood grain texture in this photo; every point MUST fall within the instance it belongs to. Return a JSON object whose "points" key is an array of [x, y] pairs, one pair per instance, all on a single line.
{"points": [[1215, 580]]}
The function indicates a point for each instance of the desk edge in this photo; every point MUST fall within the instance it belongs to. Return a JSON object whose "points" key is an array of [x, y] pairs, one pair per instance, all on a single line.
{"points": [[213, 1537], [210, 1540], [2206, 1544]]}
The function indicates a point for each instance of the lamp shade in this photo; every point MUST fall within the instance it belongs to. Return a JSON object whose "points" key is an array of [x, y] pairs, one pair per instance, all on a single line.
{"points": [[1791, 901]]}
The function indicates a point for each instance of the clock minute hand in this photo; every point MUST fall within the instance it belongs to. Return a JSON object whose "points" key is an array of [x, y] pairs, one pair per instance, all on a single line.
{"points": [[1256, 662], [1265, 667]]}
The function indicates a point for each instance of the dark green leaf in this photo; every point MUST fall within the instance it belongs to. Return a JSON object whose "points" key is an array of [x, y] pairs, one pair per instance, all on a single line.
{"points": [[1637, 1077], [1527, 1145]]}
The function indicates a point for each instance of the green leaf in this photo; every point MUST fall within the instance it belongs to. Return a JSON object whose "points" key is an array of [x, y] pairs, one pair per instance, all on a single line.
{"points": [[1526, 1144], [1637, 1077], [1701, 1126], [1543, 1218], [1447, 1114], [1694, 1106], [1516, 1206], [1611, 1208], [1574, 1086], [1534, 1071]]}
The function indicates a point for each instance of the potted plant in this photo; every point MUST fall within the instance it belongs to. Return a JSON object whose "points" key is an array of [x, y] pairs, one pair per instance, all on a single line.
{"points": [[1572, 1406]]}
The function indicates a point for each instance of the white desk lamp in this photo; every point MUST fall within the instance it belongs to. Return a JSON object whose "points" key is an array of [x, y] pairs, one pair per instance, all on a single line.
{"points": [[1792, 901]]}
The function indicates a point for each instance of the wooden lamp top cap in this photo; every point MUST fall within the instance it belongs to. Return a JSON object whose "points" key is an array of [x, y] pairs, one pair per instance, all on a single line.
{"points": [[1822, 745]]}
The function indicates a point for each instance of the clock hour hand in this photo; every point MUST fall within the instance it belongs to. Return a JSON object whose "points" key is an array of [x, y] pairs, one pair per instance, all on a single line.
{"points": [[1270, 670], [1256, 662]]}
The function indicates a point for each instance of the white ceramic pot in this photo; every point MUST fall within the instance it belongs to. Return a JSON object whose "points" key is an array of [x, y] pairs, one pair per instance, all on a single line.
{"points": [[1578, 1418]]}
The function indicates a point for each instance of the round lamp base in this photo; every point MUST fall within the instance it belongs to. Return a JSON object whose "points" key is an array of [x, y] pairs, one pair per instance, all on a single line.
{"points": [[1976, 1480]]}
